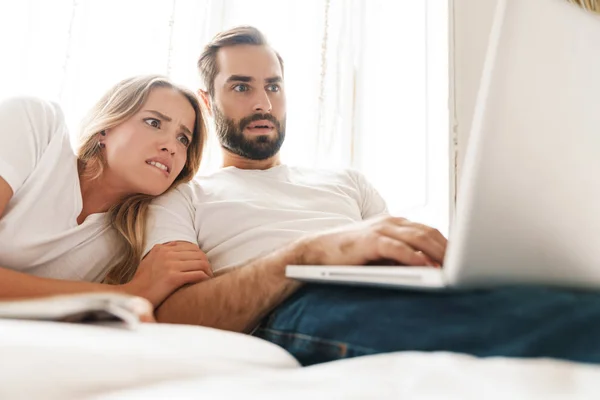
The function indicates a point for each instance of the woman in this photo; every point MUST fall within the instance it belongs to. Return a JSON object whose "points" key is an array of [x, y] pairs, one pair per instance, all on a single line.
{"points": [[69, 222]]}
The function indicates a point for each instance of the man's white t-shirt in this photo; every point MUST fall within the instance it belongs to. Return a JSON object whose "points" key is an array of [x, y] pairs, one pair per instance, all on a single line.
{"points": [[236, 215], [39, 233]]}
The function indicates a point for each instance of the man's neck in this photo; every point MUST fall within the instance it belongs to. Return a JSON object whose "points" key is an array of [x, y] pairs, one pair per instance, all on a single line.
{"points": [[234, 160]]}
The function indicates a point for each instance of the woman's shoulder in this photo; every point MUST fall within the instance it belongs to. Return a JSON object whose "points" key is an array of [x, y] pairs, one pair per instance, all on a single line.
{"points": [[183, 193], [41, 115], [32, 130], [32, 105]]}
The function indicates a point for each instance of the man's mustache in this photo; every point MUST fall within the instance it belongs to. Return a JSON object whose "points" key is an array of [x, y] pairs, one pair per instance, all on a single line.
{"points": [[244, 122]]}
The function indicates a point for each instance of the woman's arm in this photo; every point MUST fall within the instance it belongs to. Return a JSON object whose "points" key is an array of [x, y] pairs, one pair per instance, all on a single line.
{"points": [[18, 285], [166, 268], [15, 285]]}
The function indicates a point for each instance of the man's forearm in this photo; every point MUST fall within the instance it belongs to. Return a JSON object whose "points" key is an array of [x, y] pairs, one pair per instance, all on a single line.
{"points": [[239, 299]]}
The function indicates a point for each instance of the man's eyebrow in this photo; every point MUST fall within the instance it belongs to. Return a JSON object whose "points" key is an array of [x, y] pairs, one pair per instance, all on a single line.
{"points": [[244, 78], [169, 119], [240, 78]]}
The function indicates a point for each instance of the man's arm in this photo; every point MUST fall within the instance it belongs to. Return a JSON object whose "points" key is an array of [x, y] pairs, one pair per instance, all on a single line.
{"points": [[236, 300], [239, 299]]}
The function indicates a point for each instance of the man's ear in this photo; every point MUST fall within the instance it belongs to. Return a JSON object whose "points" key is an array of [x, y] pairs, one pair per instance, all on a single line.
{"points": [[203, 95]]}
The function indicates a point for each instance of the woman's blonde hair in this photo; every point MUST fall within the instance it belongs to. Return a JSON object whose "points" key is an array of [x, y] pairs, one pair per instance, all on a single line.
{"points": [[592, 5], [128, 217]]}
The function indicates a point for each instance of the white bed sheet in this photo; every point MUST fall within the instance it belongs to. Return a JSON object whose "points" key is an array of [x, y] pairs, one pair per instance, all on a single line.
{"points": [[63, 361], [46, 360], [392, 376]]}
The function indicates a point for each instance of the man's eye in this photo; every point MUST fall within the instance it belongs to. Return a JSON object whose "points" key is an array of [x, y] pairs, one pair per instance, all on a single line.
{"points": [[240, 88], [184, 140], [273, 87], [153, 122]]}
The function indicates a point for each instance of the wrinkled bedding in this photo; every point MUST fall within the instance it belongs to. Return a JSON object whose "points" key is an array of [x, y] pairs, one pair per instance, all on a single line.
{"points": [[65, 361]]}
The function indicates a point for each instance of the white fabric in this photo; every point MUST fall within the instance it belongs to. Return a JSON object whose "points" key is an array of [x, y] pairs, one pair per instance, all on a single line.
{"points": [[45, 360], [236, 215], [38, 231], [393, 376], [52, 360]]}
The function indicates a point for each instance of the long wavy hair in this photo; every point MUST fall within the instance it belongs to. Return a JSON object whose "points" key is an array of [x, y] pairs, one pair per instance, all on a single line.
{"points": [[128, 217], [591, 5]]}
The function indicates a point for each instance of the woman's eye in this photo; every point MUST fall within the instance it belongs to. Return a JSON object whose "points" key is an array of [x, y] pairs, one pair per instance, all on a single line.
{"points": [[184, 140], [153, 122], [240, 88]]}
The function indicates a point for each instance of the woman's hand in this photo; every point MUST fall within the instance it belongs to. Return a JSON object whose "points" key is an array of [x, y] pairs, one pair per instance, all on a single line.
{"points": [[166, 268]]}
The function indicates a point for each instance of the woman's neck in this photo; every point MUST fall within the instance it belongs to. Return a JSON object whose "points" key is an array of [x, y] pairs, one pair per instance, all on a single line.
{"points": [[97, 194]]}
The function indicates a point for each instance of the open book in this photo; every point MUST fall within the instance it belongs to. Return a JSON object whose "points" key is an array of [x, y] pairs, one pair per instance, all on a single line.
{"points": [[125, 310]]}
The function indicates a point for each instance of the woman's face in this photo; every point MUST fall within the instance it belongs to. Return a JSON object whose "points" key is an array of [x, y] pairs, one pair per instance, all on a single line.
{"points": [[148, 151]]}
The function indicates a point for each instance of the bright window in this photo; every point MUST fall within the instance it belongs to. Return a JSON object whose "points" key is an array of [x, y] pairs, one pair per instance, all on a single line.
{"points": [[367, 81]]}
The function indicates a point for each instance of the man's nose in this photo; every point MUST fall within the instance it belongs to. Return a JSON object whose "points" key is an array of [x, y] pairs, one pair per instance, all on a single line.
{"points": [[262, 102]]}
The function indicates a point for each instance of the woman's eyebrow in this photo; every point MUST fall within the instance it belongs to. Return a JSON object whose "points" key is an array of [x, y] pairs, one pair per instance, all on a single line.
{"points": [[169, 119]]}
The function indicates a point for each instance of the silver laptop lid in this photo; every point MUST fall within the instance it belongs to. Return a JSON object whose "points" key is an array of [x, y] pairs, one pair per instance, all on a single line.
{"points": [[529, 199]]}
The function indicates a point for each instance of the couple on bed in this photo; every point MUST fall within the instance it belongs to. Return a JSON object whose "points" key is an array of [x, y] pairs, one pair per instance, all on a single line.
{"points": [[124, 215]]}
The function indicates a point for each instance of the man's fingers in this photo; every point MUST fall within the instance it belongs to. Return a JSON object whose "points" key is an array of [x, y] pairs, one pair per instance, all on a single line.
{"points": [[399, 221], [423, 242], [401, 252], [430, 261], [434, 233], [422, 233], [417, 239]]}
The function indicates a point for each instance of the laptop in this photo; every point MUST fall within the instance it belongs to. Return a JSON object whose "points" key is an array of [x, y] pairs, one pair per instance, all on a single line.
{"points": [[528, 207]]}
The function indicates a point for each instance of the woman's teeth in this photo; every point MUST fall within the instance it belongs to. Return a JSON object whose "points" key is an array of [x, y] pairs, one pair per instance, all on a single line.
{"points": [[158, 165]]}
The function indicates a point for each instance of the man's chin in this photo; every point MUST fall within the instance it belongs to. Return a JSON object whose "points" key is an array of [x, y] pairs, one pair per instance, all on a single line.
{"points": [[253, 147], [259, 153], [262, 138], [252, 133]]}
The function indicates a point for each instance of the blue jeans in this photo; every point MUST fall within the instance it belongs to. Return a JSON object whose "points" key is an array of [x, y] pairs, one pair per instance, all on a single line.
{"points": [[322, 323]]}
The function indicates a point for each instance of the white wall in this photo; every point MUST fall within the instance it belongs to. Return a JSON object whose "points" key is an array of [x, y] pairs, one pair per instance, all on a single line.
{"points": [[470, 23]]}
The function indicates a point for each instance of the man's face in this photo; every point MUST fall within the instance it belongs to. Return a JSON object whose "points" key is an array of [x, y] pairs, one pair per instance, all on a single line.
{"points": [[249, 101]]}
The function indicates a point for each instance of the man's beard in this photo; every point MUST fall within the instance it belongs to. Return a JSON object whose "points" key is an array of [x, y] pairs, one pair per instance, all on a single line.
{"points": [[231, 136]]}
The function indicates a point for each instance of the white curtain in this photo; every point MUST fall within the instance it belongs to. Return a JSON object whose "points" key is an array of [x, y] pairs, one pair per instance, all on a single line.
{"points": [[367, 81]]}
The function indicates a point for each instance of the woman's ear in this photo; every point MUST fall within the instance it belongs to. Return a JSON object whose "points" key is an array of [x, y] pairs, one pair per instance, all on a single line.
{"points": [[101, 138], [205, 98]]}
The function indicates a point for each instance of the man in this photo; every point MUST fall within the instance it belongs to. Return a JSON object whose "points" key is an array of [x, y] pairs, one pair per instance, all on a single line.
{"points": [[257, 215]]}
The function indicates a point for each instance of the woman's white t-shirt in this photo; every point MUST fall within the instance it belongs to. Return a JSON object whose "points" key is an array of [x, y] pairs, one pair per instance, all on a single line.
{"points": [[39, 233]]}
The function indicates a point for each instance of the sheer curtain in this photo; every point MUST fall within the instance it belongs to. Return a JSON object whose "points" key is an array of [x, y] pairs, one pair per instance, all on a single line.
{"points": [[367, 81]]}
